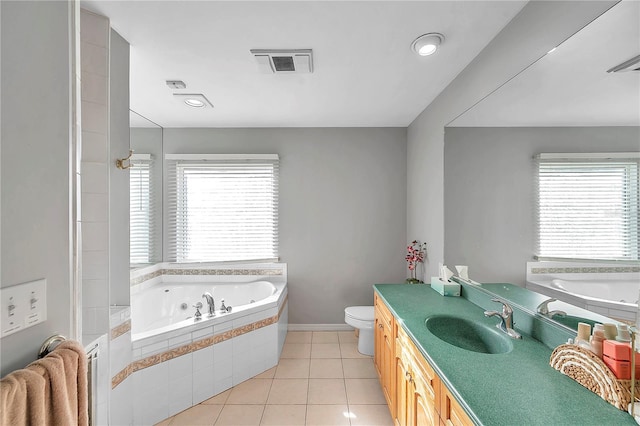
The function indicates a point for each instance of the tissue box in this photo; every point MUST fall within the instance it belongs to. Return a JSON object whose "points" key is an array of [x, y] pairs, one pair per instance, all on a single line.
{"points": [[448, 288]]}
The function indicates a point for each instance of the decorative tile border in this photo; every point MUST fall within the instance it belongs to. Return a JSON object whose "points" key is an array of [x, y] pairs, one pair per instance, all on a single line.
{"points": [[120, 329], [194, 346], [123, 374], [227, 271], [587, 270]]}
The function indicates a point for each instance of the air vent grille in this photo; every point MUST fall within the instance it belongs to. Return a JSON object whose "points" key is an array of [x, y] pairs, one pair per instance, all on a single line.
{"points": [[276, 61], [632, 64]]}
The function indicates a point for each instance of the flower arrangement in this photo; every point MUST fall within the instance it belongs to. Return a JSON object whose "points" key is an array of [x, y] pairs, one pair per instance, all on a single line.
{"points": [[416, 252]]}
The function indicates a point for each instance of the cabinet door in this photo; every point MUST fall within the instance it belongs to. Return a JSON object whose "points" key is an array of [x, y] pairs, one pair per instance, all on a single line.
{"points": [[403, 390], [384, 351], [451, 412], [424, 406]]}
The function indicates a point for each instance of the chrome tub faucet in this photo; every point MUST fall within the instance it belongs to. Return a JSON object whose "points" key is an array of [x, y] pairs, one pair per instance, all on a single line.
{"points": [[211, 303]]}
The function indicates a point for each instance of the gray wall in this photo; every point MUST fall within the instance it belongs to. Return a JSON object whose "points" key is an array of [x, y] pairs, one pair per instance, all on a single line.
{"points": [[489, 191], [36, 149], [342, 208], [518, 45]]}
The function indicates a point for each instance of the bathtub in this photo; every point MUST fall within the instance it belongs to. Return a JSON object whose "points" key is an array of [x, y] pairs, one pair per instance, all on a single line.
{"points": [[169, 306], [608, 290], [179, 361]]}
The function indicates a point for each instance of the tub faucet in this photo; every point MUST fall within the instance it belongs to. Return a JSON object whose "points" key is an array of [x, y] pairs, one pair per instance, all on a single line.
{"points": [[506, 319], [211, 303], [543, 309]]}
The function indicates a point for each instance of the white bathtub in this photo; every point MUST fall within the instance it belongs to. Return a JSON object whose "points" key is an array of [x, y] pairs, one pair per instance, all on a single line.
{"points": [[179, 362], [168, 306], [608, 290]]}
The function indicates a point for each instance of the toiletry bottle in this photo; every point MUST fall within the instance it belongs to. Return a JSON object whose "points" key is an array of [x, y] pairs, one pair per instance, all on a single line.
{"points": [[610, 331], [584, 332], [623, 333], [596, 342]]}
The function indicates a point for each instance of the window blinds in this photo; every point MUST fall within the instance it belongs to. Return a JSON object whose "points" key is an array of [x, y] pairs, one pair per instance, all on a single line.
{"points": [[141, 218], [222, 207], [587, 206]]}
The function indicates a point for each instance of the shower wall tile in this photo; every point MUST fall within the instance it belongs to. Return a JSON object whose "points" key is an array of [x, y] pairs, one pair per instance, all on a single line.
{"points": [[95, 178], [94, 29], [94, 147]]}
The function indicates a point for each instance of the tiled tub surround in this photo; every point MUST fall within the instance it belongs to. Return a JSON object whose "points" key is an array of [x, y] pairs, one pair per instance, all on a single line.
{"points": [[599, 288], [179, 368]]}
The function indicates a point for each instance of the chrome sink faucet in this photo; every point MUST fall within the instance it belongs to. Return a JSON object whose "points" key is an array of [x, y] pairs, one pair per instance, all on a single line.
{"points": [[506, 319], [211, 303], [543, 309]]}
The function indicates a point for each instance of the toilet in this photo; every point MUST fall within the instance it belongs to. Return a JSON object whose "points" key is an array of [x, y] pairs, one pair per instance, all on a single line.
{"points": [[362, 318]]}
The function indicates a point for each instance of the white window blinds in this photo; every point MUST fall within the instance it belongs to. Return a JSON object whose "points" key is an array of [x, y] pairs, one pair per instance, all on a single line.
{"points": [[588, 206], [141, 217], [222, 207]]}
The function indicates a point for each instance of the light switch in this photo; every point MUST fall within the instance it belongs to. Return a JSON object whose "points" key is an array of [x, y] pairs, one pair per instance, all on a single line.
{"points": [[23, 305]]}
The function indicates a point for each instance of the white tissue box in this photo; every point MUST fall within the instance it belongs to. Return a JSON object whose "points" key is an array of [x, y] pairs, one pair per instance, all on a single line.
{"points": [[448, 288]]}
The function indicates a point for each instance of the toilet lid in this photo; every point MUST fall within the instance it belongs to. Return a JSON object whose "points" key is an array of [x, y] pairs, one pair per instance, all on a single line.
{"points": [[364, 313]]}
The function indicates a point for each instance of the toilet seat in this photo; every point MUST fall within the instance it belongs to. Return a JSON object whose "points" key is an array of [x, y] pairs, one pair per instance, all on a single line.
{"points": [[362, 317], [362, 313]]}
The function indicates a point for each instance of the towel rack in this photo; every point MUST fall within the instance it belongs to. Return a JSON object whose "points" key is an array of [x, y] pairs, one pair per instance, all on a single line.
{"points": [[50, 344]]}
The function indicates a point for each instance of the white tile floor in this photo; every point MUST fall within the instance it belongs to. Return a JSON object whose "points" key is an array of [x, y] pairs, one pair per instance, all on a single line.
{"points": [[321, 379]]}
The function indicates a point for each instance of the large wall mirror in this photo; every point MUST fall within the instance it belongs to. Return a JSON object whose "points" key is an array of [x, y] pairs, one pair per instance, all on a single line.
{"points": [[564, 102], [145, 191]]}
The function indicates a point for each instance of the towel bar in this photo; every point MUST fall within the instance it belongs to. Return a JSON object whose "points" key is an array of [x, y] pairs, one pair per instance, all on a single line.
{"points": [[50, 344]]}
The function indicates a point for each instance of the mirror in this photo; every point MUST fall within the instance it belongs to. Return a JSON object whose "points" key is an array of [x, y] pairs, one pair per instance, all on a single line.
{"points": [[146, 191], [564, 102]]}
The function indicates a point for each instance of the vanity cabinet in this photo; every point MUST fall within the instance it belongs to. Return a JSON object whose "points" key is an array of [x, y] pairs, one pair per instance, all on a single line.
{"points": [[384, 351], [415, 394], [417, 386]]}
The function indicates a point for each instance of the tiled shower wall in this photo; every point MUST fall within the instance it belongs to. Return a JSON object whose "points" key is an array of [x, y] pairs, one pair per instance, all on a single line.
{"points": [[94, 30]]}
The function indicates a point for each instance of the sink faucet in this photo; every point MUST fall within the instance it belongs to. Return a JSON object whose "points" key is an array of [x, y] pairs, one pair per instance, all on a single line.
{"points": [[543, 309], [506, 319], [211, 303]]}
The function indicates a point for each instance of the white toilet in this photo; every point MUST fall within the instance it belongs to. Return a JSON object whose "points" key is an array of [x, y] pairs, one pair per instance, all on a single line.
{"points": [[362, 318]]}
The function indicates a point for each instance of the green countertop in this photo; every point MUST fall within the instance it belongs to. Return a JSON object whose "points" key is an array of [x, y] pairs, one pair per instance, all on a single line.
{"points": [[515, 388]]}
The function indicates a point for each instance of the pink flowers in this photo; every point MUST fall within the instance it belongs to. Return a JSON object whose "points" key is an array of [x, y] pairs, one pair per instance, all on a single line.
{"points": [[415, 254]]}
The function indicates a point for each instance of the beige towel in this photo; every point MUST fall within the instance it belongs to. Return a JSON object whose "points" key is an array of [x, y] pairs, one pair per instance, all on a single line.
{"points": [[49, 391]]}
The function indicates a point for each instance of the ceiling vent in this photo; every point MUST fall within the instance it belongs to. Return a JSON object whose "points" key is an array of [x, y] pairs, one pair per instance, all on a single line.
{"points": [[284, 61], [632, 64]]}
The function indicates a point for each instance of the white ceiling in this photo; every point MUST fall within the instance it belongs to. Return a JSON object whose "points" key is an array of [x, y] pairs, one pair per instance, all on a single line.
{"points": [[570, 86], [365, 74]]}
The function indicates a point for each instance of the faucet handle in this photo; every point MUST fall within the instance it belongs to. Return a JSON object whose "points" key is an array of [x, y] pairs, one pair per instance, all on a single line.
{"points": [[506, 309], [543, 308]]}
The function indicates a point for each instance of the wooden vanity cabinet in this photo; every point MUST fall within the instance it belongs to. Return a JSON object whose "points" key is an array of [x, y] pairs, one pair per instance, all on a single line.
{"points": [[451, 413], [384, 351], [417, 386], [415, 394]]}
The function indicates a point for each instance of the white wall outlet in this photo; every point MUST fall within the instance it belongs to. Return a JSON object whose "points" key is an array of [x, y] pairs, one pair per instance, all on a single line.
{"points": [[22, 306]]}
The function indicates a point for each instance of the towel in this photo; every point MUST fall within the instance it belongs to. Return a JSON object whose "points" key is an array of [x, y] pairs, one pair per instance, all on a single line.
{"points": [[50, 391]]}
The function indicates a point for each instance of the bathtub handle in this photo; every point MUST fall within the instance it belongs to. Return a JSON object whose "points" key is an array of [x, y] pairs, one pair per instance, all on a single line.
{"points": [[198, 315]]}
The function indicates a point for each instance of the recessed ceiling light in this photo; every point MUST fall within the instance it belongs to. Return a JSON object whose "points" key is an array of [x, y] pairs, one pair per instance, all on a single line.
{"points": [[194, 100], [427, 44], [194, 103]]}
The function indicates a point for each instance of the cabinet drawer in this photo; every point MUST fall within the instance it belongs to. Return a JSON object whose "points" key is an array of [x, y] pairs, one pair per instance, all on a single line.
{"points": [[383, 311]]}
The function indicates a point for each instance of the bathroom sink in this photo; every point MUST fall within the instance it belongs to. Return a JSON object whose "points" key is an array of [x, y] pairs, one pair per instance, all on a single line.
{"points": [[469, 335]]}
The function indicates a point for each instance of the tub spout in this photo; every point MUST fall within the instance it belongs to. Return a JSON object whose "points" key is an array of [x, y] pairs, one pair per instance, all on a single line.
{"points": [[211, 303]]}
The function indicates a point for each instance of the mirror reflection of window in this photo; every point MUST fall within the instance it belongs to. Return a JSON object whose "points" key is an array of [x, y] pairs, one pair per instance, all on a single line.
{"points": [[141, 219]]}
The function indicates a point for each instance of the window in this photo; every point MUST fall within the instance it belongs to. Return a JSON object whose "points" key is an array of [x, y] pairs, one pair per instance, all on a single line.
{"points": [[141, 209], [588, 206], [223, 207]]}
